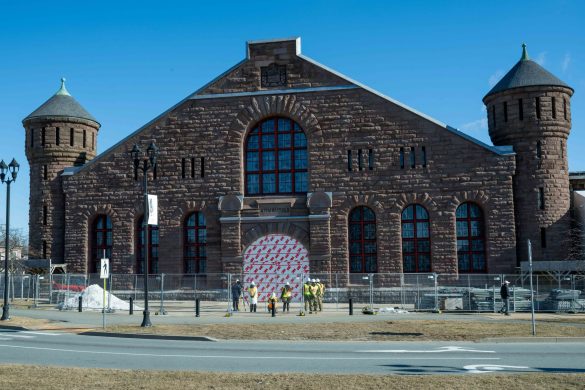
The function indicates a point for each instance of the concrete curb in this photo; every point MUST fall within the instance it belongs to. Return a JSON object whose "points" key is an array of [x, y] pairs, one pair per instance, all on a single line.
{"points": [[148, 336], [534, 339]]}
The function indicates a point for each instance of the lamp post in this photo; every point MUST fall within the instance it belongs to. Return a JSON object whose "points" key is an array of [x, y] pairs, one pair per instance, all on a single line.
{"points": [[148, 161], [11, 169]]}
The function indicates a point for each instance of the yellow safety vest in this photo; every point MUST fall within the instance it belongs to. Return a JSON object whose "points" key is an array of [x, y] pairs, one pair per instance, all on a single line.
{"points": [[253, 291], [314, 289], [285, 293], [307, 289]]}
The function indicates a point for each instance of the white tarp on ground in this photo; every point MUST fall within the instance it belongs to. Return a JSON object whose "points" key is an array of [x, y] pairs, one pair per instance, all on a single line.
{"points": [[92, 299]]}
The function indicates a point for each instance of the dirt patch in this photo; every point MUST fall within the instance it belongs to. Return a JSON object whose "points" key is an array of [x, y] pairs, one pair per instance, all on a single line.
{"points": [[29, 377]]}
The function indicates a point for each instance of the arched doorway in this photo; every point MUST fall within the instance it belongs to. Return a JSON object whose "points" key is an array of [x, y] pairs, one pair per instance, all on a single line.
{"points": [[273, 260]]}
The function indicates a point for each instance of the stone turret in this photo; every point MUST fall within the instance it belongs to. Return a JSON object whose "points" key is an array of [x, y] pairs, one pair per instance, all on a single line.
{"points": [[530, 109], [59, 134]]}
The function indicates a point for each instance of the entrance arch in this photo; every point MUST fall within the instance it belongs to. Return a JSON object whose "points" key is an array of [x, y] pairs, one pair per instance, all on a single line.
{"points": [[273, 260]]}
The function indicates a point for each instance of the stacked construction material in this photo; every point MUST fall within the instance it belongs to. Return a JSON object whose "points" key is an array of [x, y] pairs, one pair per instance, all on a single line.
{"points": [[563, 300]]}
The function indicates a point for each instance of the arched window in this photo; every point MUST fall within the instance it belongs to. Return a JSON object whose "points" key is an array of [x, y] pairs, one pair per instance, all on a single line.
{"points": [[276, 159], [470, 238], [195, 243], [362, 240], [416, 239], [152, 248], [101, 241]]}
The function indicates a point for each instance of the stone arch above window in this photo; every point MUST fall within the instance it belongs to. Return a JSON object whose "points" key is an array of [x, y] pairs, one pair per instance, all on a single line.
{"points": [[422, 199], [276, 159], [361, 200], [260, 108], [476, 196], [254, 232]]}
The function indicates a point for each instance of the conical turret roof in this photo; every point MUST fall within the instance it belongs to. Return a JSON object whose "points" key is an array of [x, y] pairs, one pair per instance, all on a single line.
{"points": [[61, 104], [526, 73]]}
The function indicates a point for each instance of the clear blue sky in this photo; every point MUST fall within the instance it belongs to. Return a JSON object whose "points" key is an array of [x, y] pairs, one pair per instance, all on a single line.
{"points": [[128, 61]]}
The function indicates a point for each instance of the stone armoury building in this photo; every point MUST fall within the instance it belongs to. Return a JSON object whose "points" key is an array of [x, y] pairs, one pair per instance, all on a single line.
{"points": [[282, 162]]}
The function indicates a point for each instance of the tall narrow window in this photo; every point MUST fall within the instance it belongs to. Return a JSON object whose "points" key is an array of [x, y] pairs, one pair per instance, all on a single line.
{"points": [[505, 111], [71, 137], [45, 173], [470, 238], [202, 167], [401, 158], [520, 110], [538, 150], [57, 136], [84, 138], [32, 138], [362, 240], [44, 249], [424, 156], [412, 157], [416, 239], [541, 198], [553, 103], [562, 149], [192, 167], [43, 136], [565, 109], [276, 158], [371, 159], [92, 141], [153, 240], [45, 215], [543, 238], [101, 241], [494, 115], [195, 243], [183, 164], [349, 160], [537, 108], [360, 160]]}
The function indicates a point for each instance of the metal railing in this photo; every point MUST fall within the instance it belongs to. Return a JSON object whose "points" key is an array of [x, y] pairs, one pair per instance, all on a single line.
{"points": [[413, 292]]}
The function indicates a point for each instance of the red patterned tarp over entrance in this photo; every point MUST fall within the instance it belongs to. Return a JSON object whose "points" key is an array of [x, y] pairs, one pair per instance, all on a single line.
{"points": [[273, 260]]}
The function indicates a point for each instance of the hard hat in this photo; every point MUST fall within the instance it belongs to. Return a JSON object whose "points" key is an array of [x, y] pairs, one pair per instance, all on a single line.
{"points": [[237, 280], [318, 281], [252, 284], [507, 282], [313, 280], [287, 284]]}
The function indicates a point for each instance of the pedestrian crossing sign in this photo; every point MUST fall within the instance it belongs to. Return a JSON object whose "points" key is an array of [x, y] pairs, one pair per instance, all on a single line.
{"points": [[105, 269]]}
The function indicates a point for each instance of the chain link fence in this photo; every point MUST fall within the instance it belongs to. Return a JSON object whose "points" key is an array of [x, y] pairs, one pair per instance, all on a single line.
{"points": [[412, 292]]}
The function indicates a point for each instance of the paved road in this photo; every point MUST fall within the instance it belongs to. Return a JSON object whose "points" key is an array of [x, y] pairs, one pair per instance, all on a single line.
{"points": [[64, 349]]}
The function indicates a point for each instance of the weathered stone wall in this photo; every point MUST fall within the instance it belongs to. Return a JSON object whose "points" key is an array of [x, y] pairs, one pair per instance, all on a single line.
{"points": [[540, 143], [336, 121]]}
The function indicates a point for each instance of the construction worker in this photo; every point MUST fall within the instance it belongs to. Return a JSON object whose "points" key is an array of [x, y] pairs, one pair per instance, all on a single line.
{"points": [[253, 293], [313, 288], [285, 297], [320, 294], [307, 295], [236, 293], [272, 301]]}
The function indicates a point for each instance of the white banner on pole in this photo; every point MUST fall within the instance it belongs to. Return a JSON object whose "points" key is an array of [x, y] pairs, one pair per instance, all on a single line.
{"points": [[152, 210]]}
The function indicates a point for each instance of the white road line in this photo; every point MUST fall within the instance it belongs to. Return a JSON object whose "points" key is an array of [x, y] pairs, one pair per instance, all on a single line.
{"points": [[20, 336], [42, 333], [438, 350], [234, 357]]}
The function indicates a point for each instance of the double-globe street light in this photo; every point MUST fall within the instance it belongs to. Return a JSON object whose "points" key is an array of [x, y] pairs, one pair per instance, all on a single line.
{"points": [[148, 161], [8, 174]]}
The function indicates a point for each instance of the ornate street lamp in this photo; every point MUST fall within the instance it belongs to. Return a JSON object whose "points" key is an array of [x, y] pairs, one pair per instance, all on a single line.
{"points": [[148, 161], [12, 170]]}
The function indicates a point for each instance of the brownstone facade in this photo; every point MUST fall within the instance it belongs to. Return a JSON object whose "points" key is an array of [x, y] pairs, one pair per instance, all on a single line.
{"points": [[363, 149]]}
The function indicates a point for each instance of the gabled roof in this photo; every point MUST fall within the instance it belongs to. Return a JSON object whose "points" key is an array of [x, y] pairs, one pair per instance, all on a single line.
{"points": [[352, 84], [61, 104], [526, 73]]}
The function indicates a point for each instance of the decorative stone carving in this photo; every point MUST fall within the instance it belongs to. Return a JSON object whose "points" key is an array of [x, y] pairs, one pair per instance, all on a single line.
{"points": [[231, 202], [273, 75]]}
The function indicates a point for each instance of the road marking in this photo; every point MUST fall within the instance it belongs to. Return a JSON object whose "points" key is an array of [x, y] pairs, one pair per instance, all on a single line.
{"points": [[438, 350], [20, 336], [231, 356], [483, 368], [42, 333]]}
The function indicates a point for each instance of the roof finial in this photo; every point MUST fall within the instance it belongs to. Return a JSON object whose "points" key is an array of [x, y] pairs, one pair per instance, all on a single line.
{"points": [[63, 90], [524, 53]]}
